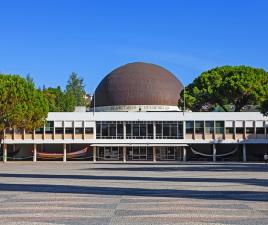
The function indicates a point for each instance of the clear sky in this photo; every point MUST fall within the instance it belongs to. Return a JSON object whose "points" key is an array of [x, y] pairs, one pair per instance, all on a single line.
{"points": [[51, 38]]}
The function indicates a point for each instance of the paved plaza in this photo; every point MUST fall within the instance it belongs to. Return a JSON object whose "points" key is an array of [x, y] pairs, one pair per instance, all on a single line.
{"points": [[132, 193]]}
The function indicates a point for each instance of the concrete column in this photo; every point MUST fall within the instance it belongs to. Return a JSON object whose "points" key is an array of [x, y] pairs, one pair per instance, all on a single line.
{"points": [[244, 153], [154, 130], [94, 154], [214, 152], [84, 130], [124, 130], [184, 129], [154, 154], [124, 154], [184, 154], [64, 153], [4, 152], [34, 153]]}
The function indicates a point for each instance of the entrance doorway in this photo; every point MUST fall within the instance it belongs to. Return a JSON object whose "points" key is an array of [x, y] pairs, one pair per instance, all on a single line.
{"points": [[139, 153], [109, 153]]}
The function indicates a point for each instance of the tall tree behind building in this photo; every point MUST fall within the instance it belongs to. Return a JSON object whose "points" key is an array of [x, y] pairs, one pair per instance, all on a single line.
{"points": [[75, 92]]}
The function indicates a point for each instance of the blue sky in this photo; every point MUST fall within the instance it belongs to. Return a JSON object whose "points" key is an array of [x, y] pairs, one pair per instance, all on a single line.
{"points": [[50, 39]]}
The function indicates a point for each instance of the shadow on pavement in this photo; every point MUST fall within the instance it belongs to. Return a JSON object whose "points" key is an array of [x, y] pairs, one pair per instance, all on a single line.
{"points": [[240, 167], [115, 191], [256, 182]]}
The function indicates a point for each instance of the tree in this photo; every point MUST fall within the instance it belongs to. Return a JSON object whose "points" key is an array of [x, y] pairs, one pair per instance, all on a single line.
{"points": [[229, 88], [75, 92], [264, 107], [56, 99], [21, 105]]}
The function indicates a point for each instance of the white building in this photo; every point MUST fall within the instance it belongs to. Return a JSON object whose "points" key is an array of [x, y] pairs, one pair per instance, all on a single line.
{"points": [[134, 116]]}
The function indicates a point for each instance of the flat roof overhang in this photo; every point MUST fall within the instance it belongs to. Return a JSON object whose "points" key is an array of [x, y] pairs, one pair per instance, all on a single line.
{"points": [[139, 145]]}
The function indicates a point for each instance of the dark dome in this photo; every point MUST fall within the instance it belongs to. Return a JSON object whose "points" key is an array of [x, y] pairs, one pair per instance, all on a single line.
{"points": [[138, 84]]}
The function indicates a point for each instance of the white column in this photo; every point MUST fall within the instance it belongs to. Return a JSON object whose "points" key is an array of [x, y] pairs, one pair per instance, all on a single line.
{"points": [[124, 130], [184, 129], [214, 152], [4, 152], [244, 153], [34, 153], [154, 130], [184, 154], [64, 153], [124, 154], [94, 154], [154, 153]]}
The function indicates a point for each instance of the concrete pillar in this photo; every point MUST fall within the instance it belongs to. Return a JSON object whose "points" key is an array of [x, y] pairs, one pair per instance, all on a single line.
{"points": [[64, 153], [34, 153], [154, 130], [124, 154], [244, 153], [184, 154], [4, 152], [124, 130], [94, 154], [154, 153], [214, 152]]}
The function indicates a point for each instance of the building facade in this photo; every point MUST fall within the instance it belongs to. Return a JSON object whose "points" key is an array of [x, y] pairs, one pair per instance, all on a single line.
{"points": [[134, 117]]}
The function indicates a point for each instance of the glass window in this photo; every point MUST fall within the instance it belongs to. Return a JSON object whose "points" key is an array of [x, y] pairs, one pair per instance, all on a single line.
{"points": [[59, 130], [189, 127], [159, 129], [49, 128], [79, 130], [136, 130], [143, 130], [112, 130], [259, 130], [128, 128], [229, 130], [166, 130], [199, 127], [104, 129], [239, 130], [120, 130], [219, 127], [209, 127], [250, 130], [174, 130], [150, 130], [89, 130], [98, 129], [37, 131], [69, 130]]}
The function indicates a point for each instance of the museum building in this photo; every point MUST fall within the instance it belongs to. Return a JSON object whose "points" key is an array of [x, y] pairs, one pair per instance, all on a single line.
{"points": [[134, 117]]}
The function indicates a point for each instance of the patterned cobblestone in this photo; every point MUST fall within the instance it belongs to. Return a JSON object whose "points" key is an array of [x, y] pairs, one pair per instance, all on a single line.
{"points": [[144, 194]]}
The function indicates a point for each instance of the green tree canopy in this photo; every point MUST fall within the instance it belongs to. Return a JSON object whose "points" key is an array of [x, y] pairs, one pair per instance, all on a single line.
{"points": [[75, 91], [21, 104], [264, 107], [228, 87], [55, 98], [65, 101]]}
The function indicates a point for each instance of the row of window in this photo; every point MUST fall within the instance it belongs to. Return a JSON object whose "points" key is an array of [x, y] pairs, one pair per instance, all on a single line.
{"points": [[139, 130], [207, 126], [210, 127]]}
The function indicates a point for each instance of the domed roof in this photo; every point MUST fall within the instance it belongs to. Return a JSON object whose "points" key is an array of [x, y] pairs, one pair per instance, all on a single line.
{"points": [[138, 84]]}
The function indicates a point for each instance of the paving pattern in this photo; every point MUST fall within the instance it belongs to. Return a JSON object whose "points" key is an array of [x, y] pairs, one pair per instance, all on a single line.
{"points": [[144, 194]]}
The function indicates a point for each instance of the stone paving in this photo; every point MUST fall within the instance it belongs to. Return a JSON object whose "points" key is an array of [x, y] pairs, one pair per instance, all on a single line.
{"points": [[144, 193]]}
